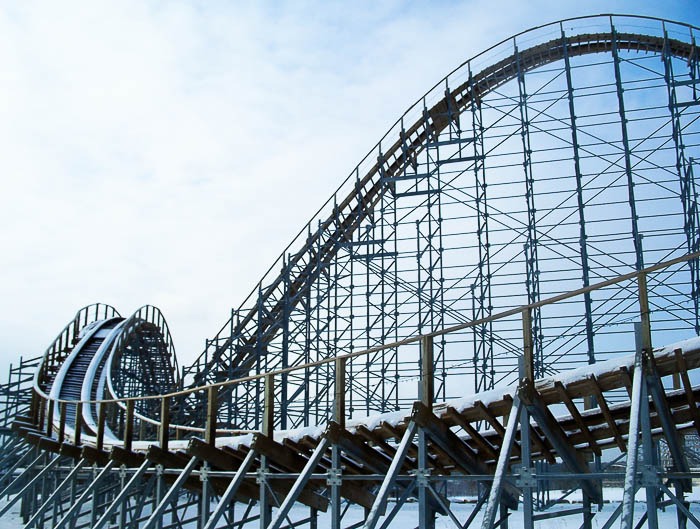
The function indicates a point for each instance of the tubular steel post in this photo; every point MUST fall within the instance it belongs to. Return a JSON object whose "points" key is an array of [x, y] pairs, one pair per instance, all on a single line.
{"points": [[633, 442], [268, 431], [426, 515], [210, 434], [525, 445]]}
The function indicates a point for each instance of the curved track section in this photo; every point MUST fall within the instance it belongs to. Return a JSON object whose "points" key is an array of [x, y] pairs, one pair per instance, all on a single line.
{"points": [[108, 358], [534, 168]]}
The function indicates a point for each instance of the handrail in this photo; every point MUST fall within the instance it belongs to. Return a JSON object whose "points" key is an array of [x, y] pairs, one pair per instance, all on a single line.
{"points": [[410, 340]]}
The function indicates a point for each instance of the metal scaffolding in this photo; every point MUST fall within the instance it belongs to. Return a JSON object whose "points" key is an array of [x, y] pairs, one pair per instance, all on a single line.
{"points": [[473, 307]]}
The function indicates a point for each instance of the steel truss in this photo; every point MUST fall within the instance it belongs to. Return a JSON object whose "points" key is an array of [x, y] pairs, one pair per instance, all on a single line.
{"points": [[492, 238]]}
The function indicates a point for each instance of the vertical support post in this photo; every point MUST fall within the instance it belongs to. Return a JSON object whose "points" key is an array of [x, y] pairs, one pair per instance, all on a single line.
{"points": [[129, 425], [627, 154], [525, 449], [427, 379], [335, 481], [426, 515], [164, 433], [268, 431], [78, 422], [633, 439], [63, 410], [49, 417], [528, 347], [101, 418], [269, 410], [210, 434], [206, 487], [339, 403]]}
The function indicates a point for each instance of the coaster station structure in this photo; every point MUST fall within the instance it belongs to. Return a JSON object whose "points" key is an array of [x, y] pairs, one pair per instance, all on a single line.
{"points": [[461, 283]]}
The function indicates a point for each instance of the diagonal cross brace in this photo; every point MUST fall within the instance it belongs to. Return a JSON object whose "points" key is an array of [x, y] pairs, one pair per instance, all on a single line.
{"points": [[663, 411], [36, 478], [231, 490], [397, 462], [556, 435], [499, 477], [75, 508], [449, 442], [299, 484], [122, 494], [41, 510], [172, 491]]}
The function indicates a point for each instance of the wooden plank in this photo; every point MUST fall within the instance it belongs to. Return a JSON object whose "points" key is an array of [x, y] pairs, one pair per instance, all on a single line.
{"points": [[210, 427], [478, 439], [688, 388], [535, 439], [576, 415], [557, 436], [486, 414], [126, 457], [440, 433], [606, 413], [626, 379]]}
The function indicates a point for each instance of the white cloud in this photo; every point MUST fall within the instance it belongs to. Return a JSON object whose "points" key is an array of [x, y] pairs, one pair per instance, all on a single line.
{"points": [[165, 153]]}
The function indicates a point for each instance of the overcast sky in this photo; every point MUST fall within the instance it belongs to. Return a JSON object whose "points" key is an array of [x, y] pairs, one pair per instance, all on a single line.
{"points": [[166, 152]]}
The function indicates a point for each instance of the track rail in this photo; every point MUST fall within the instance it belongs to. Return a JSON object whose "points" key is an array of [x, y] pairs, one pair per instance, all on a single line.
{"points": [[249, 335]]}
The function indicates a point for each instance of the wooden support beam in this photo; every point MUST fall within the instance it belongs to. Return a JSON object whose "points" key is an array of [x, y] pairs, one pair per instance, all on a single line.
{"points": [[576, 415], [101, 419], [339, 401], [535, 438], [497, 426], [626, 379], [129, 425], [63, 410], [353, 445], [458, 451], [125, 457], [78, 426], [427, 379], [593, 383], [692, 405], [164, 428], [95, 456], [210, 426], [557, 436], [269, 406], [483, 445]]}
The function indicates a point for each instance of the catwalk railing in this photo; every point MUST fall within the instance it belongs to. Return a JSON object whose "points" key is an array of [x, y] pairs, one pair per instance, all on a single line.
{"points": [[125, 406]]}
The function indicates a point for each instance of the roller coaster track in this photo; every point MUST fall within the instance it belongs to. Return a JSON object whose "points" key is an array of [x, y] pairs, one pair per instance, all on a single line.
{"points": [[252, 335], [108, 392]]}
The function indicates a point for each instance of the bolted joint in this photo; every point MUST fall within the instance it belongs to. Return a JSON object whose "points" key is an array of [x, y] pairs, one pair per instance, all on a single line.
{"points": [[527, 478], [204, 473], [422, 476], [159, 469], [335, 477], [261, 477], [650, 477]]}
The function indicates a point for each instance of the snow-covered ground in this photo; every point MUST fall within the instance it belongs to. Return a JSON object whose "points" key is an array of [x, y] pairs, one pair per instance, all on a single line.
{"points": [[407, 518]]}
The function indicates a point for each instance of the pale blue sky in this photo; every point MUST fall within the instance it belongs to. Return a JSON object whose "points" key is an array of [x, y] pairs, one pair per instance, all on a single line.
{"points": [[166, 152]]}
